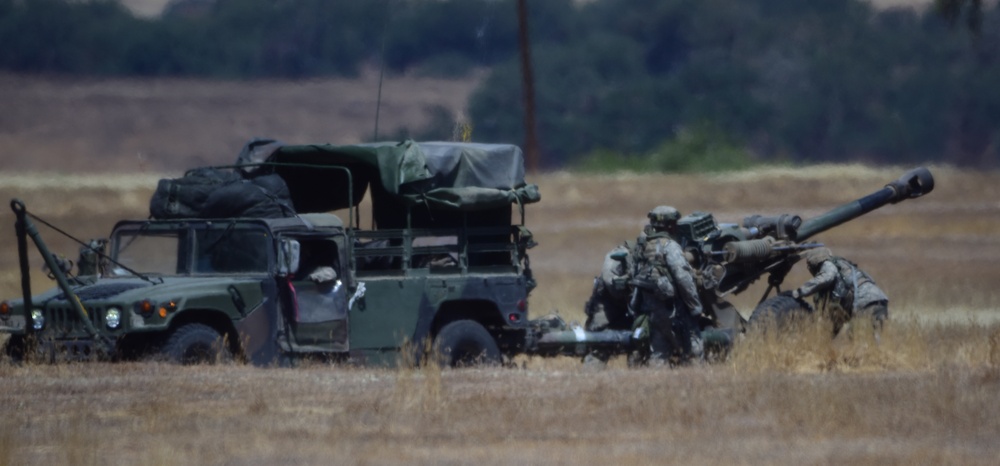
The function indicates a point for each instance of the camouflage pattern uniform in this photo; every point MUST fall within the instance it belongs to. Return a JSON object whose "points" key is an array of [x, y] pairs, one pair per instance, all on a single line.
{"points": [[607, 308], [843, 289], [666, 291]]}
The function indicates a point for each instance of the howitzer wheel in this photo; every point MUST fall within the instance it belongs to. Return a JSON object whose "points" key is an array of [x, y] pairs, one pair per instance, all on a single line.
{"points": [[779, 311], [466, 343], [196, 344]]}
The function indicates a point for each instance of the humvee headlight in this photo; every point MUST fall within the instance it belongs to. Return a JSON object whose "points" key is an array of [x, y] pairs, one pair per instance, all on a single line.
{"points": [[37, 319], [4, 310], [113, 318]]}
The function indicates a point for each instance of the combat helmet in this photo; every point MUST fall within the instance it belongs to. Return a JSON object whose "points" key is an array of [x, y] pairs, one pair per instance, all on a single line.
{"points": [[816, 257], [663, 216]]}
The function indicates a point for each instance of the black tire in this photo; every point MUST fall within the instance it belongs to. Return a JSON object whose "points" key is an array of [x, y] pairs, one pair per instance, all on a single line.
{"points": [[466, 343], [16, 348], [780, 311], [196, 344]]}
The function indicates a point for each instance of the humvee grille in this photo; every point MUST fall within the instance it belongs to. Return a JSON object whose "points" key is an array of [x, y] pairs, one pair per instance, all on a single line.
{"points": [[65, 320]]}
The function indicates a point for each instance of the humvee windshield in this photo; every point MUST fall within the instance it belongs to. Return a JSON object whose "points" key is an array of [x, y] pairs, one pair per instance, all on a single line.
{"points": [[200, 249]]}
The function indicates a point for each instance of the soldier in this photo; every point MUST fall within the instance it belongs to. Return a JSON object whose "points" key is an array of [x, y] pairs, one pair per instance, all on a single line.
{"points": [[607, 308], [847, 290], [665, 290]]}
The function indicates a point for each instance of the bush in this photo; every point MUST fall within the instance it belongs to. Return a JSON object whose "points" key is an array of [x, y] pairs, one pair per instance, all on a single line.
{"points": [[609, 161], [700, 149]]}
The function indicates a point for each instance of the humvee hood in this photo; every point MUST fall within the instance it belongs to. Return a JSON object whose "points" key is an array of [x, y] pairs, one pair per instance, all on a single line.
{"points": [[129, 289]]}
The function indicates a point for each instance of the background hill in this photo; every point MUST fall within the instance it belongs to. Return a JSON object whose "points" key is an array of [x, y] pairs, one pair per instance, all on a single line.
{"points": [[617, 82], [101, 125]]}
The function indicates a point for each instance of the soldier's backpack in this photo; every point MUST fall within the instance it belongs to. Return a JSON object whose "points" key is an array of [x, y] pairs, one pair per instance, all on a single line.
{"points": [[651, 274], [617, 270]]}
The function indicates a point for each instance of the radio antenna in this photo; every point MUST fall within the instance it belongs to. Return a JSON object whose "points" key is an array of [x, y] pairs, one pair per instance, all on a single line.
{"points": [[381, 70]]}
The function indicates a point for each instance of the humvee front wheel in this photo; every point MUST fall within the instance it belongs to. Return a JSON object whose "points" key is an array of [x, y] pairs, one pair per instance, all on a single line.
{"points": [[196, 344], [466, 343], [16, 348]]}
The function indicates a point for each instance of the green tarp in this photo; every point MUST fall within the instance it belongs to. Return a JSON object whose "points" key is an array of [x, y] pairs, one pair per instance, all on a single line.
{"points": [[437, 175]]}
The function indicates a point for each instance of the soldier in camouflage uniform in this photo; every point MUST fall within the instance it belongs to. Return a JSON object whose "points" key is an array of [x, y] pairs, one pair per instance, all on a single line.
{"points": [[665, 290], [843, 289], [607, 308]]}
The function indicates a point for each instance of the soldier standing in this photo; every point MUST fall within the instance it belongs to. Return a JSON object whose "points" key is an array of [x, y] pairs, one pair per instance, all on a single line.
{"points": [[843, 289], [665, 290]]}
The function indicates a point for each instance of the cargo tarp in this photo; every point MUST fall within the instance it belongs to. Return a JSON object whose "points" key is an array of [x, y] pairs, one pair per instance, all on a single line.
{"points": [[438, 175]]}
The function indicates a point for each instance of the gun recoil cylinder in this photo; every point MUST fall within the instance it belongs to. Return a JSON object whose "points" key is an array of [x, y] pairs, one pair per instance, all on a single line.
{"points": [[750, 250]]}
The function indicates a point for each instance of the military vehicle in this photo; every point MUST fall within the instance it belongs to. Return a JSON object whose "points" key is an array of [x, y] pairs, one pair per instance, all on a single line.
{"points": [[727, 259], [443, 270]]}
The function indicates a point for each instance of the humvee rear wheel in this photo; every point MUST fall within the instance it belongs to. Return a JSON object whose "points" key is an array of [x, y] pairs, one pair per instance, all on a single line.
{"points": [[466, 343], [196, 344], [779, 311]]}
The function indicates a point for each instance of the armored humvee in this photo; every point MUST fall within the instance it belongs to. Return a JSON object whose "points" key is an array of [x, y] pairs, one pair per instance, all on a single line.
{"points": [[443, 269]]}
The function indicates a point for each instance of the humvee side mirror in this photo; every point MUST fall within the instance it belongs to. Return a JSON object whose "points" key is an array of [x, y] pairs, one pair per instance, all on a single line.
{"points": [[288, 257]]}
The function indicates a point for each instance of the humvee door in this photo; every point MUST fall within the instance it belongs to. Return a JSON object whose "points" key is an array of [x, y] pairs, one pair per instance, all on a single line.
{"points": [[316, 299]]}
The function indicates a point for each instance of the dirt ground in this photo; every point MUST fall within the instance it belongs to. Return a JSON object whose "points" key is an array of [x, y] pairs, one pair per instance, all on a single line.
{"points": [[925, 393]]}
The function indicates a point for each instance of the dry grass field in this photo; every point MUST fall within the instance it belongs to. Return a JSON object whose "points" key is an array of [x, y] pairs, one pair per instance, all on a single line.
{"points": [[925, 393]]}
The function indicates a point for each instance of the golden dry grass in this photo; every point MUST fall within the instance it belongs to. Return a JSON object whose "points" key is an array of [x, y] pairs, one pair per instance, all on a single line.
{"points": [[924, 394]]}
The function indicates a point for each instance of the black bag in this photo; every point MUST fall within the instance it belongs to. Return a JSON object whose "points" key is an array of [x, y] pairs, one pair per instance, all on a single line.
{"points": [[262, 197], [185, 197], [213, 193]]}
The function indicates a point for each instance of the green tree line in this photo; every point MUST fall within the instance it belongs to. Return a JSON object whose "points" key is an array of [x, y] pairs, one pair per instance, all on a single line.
{"points": [[626, 82]]}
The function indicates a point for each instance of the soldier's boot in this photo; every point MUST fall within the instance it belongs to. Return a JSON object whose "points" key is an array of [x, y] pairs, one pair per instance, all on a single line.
{"points": [[660, 347], [663, 341], [877, 313], [690, 346], [595, 360], [666, 347], [697, 352], [638, 358]]}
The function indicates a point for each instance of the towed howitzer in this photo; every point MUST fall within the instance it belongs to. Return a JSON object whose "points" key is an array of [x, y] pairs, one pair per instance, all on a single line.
{"points": [[727, 259]]}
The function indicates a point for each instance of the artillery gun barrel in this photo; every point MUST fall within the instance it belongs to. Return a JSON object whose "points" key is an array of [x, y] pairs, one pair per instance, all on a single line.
{"points": [[911, 185]]}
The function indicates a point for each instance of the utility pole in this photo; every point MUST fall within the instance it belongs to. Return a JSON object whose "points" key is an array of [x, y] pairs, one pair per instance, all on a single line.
{"points": [[532, 155]]}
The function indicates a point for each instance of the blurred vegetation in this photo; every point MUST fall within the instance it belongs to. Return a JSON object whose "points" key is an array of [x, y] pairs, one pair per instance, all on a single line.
{"points": [[817, 81], [702, 149]]}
